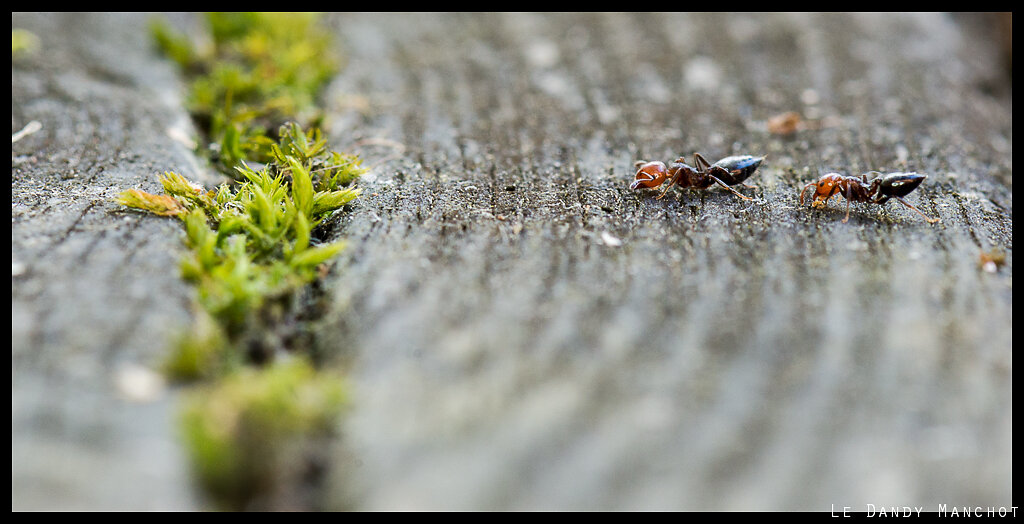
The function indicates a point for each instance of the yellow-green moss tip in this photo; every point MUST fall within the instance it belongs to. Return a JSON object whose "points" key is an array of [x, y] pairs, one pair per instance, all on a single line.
{"points": [[23, 41], [163, 205]]}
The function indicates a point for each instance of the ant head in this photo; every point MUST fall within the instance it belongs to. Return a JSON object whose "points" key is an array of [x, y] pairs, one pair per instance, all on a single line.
{"points": [[827, 181], [650, 174], [822, 189], [825, 185], [899, 184]]}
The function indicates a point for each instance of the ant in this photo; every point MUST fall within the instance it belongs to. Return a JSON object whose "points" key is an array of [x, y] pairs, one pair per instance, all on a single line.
{"points": [[726, 172], [878, 190]]}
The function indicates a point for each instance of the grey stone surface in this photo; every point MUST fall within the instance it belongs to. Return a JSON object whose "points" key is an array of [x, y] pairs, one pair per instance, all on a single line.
{"points": [[524, 331]]}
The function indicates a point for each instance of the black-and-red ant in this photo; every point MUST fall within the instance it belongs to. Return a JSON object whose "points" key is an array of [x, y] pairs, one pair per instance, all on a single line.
{"points": [[726, 172], [877, 190]]}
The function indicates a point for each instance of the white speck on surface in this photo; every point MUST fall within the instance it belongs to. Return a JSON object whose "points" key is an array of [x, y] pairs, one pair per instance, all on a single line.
{"points": [[610, 240], [369, 177], [703, 73], [139, 384], [553, 84], [810, 97], [608, 114], [902, 154], [29, 128], [542, 54], [179, 135]]}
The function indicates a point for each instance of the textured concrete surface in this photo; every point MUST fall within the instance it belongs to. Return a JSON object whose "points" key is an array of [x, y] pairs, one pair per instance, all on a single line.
{"points": [[524, 331]]}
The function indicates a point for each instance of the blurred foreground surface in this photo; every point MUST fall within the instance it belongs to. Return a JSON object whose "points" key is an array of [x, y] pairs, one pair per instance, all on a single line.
{"points": [[525, 332]]}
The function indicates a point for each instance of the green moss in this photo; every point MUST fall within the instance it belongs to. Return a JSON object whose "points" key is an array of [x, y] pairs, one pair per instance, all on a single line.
{"points": [[204, 352], [23, 41], [257, 71], [176, 46], [251, 251], [252, 248], [251, 242], [257, 424]]}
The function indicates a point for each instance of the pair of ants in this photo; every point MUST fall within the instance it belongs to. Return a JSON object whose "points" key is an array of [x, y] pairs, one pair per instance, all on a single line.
{"points": [[733, 170]]}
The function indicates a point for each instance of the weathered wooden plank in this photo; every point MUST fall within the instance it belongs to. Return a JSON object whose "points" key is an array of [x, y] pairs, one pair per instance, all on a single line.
{"points": [[95, 291], [727, 355], [525, 331]]}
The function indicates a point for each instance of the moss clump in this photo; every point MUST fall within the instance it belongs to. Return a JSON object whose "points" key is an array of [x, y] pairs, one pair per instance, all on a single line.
{"points": [[256, 71], [251, 243], [256, 426], [253, 249]]}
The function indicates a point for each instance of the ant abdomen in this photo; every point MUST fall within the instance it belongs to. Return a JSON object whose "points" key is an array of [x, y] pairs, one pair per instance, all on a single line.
{"points": [[739, 168], [899, 184]]}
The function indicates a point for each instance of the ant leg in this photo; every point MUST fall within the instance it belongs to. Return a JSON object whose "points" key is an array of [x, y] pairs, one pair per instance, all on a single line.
{"points": [[722, 172], [723, 184], [671, 183], [930, 220], [638, 163], [849, 200], [808, 186], [733, 173], [874, 182], [824, 201], [702, 163]]}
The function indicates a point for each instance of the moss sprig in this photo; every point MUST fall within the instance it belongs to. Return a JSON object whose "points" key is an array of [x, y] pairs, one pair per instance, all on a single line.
{"points": [[257, 71], [253, 250], [252, 242]]}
